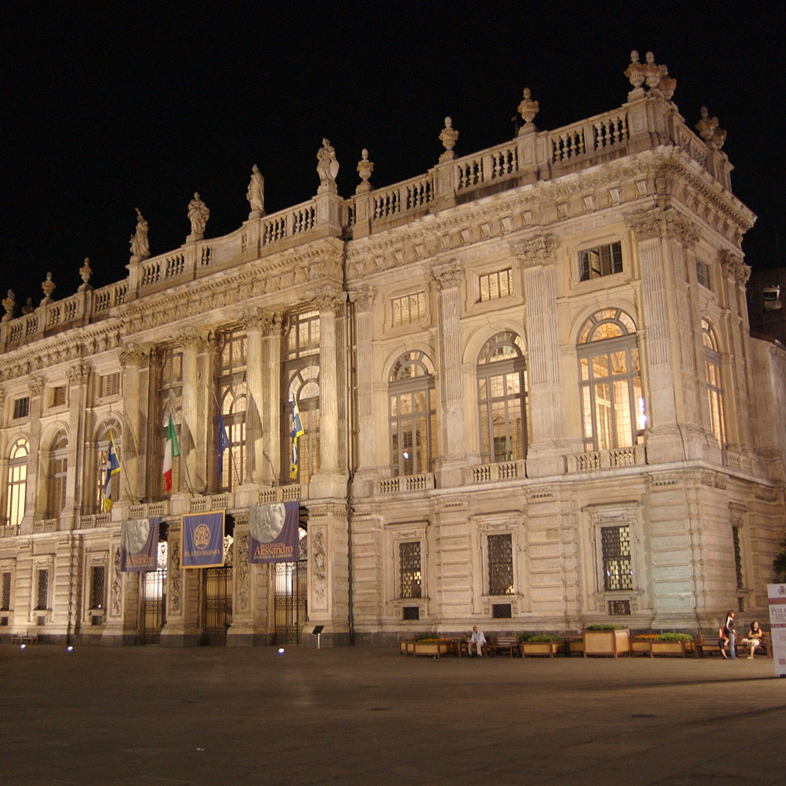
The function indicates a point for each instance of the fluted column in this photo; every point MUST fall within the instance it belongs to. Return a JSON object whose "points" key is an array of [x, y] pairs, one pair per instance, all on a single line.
{"points": [[363, 301], [35, 503], [190, 477], [78, 377], [255, 324], [131, 359], [544, 455], [453, 453], [270, 467]]}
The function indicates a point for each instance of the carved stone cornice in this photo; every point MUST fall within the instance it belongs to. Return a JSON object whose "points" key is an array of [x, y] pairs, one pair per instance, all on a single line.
{"points": [[539, 251], [733, 267], [448, 276], [132, 355], [363, 298], [35, 386]]}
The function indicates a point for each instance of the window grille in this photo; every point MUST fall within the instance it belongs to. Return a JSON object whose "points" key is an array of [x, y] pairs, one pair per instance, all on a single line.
{"points": [[500, 564], [408, 309], [5, 593], [411, 579], [619, 608], [496, 285], [617, 562], [501, 611], [735, 533], [42, 593], [97, 580], [600, 261], [110, 384], [21, 407], [411, 613]]}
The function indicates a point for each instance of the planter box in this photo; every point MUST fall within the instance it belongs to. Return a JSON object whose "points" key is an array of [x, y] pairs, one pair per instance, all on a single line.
{"points": [[607, 643], [653, 648], [434, 649], [546, 649]]}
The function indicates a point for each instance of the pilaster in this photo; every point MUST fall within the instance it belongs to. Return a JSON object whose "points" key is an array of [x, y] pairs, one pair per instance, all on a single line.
{"points": [[131, 359]]}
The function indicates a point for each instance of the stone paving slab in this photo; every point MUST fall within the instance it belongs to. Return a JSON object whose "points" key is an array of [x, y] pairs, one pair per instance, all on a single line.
{"points": [[147, 716]]}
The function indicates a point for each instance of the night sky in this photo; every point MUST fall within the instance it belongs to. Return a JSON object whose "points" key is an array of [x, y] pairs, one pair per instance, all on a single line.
{"points": [[110, 106]]}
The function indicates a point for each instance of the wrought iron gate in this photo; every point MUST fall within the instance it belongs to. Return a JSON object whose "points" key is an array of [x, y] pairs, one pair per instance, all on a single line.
{"points": [[290, 601], [154, 605], [218, 604]]}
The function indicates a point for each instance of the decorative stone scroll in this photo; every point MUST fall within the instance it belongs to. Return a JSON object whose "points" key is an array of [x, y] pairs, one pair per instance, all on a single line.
{"points": [[734, 267]]}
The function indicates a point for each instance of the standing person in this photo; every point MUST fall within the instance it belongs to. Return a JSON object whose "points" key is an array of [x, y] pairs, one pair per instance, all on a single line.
{"points": [[479, 640], [753, 638], [728, 629]]}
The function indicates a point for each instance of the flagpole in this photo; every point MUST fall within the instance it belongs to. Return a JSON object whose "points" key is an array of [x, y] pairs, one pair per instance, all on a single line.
{"points": [[123, 472], [231, 452]]}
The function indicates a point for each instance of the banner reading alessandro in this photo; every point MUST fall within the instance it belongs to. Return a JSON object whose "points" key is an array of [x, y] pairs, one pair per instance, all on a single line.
{"points": [[139, 545], [203, 540], [273, 535]]}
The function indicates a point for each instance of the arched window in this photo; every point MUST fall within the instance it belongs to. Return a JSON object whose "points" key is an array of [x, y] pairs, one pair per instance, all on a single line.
{"points": [[412, 415], [712, 379], [502, 399], [170, 402], [16, 489], [58, 471], [111, 427], [612, 407]]}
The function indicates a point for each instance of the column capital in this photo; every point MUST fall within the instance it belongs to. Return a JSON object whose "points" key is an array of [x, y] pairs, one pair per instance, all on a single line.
{"points": [[133, 355], [669, 223], [448, 275], [191, 338], [539, 251], [363, 298], [329, 299], [733, 267], [256, 319], [78, 373]]}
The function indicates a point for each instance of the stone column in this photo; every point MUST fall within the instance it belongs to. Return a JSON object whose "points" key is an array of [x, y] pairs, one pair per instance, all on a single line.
{"points": [[131, 359], [657, 324], [241, 632], [182, 614], [78, 377], [255, 324], [329, 481], [35, 502], [545, 454], [452, 456], [363, 301], [271, 466], [191, 479]]}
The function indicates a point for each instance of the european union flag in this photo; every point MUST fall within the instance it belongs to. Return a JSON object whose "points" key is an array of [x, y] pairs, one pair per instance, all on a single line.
{"points": [[222, 444], [297, 431]]}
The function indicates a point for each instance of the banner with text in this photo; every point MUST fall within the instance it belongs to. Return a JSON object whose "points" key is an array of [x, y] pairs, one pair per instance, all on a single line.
{"points": [[776, 595], [203, 540], [273, 533], [139, 545]]}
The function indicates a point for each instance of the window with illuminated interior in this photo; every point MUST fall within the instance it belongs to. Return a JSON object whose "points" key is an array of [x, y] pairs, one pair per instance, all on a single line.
{"points": [[412, 415], [232, 400], [712, 380], [58, 472], [16, 486], [613, 409]]}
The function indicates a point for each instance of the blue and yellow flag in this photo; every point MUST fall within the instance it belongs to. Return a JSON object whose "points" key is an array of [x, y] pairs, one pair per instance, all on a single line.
{"points": [[222, 444], [297, 431], [111, 468]]}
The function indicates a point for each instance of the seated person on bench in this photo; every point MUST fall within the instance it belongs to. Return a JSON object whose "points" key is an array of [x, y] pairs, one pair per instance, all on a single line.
{"points": [[478, 640]]}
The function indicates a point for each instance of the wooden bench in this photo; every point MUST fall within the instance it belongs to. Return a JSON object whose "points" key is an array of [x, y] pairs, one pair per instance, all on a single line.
{"points": [[500, 644], [24, 638], [707, 644]]}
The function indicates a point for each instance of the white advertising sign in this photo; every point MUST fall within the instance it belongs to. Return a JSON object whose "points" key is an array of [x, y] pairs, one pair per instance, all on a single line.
{"points": [[776, 594]]}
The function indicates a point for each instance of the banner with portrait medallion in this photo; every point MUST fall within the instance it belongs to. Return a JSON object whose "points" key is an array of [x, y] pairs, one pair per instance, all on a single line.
{"points": [[273, 533], [203, 540], [139, 545]]}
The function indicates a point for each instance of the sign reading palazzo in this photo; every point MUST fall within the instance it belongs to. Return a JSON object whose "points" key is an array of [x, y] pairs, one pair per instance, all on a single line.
{"points": [[139, 545], [273, 533], [203, 540], [776, 597]]}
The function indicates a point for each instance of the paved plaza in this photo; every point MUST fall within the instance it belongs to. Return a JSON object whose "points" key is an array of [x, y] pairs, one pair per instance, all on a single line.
{"points": [[146, 716]]}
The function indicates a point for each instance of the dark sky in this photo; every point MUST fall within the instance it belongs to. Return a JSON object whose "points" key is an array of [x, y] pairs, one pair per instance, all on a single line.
{"points": [[110, 106]]}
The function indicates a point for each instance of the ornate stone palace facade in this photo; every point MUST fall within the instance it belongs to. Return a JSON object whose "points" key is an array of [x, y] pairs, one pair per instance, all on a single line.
{"points": [[528, 390]]}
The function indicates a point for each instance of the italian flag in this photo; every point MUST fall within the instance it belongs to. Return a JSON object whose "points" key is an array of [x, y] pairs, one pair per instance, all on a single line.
{"points": [[171, 449]]}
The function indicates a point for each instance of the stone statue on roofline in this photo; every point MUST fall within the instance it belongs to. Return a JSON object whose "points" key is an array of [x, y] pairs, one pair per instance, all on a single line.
{"points": [[256, 193], [198, 214], [448, 136], [327, 168], [9, 304], [140, 247]]}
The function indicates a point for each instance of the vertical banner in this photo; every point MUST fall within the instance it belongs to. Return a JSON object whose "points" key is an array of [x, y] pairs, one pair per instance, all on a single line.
{"points": [[776, 596], [203, 540], [139, 545], [273, 533]]}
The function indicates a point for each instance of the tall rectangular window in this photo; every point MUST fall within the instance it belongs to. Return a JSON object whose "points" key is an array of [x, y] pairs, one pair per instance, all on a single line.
{"points": [[232, 398], [496, 285], [110, 384], [97, 581], [5, 592], [617, 559], [42, 590], [408, 309], [600, 261], [500, 564], [735, 533], [703, 273], [58, 396], [410, 577], [21, 407]]}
